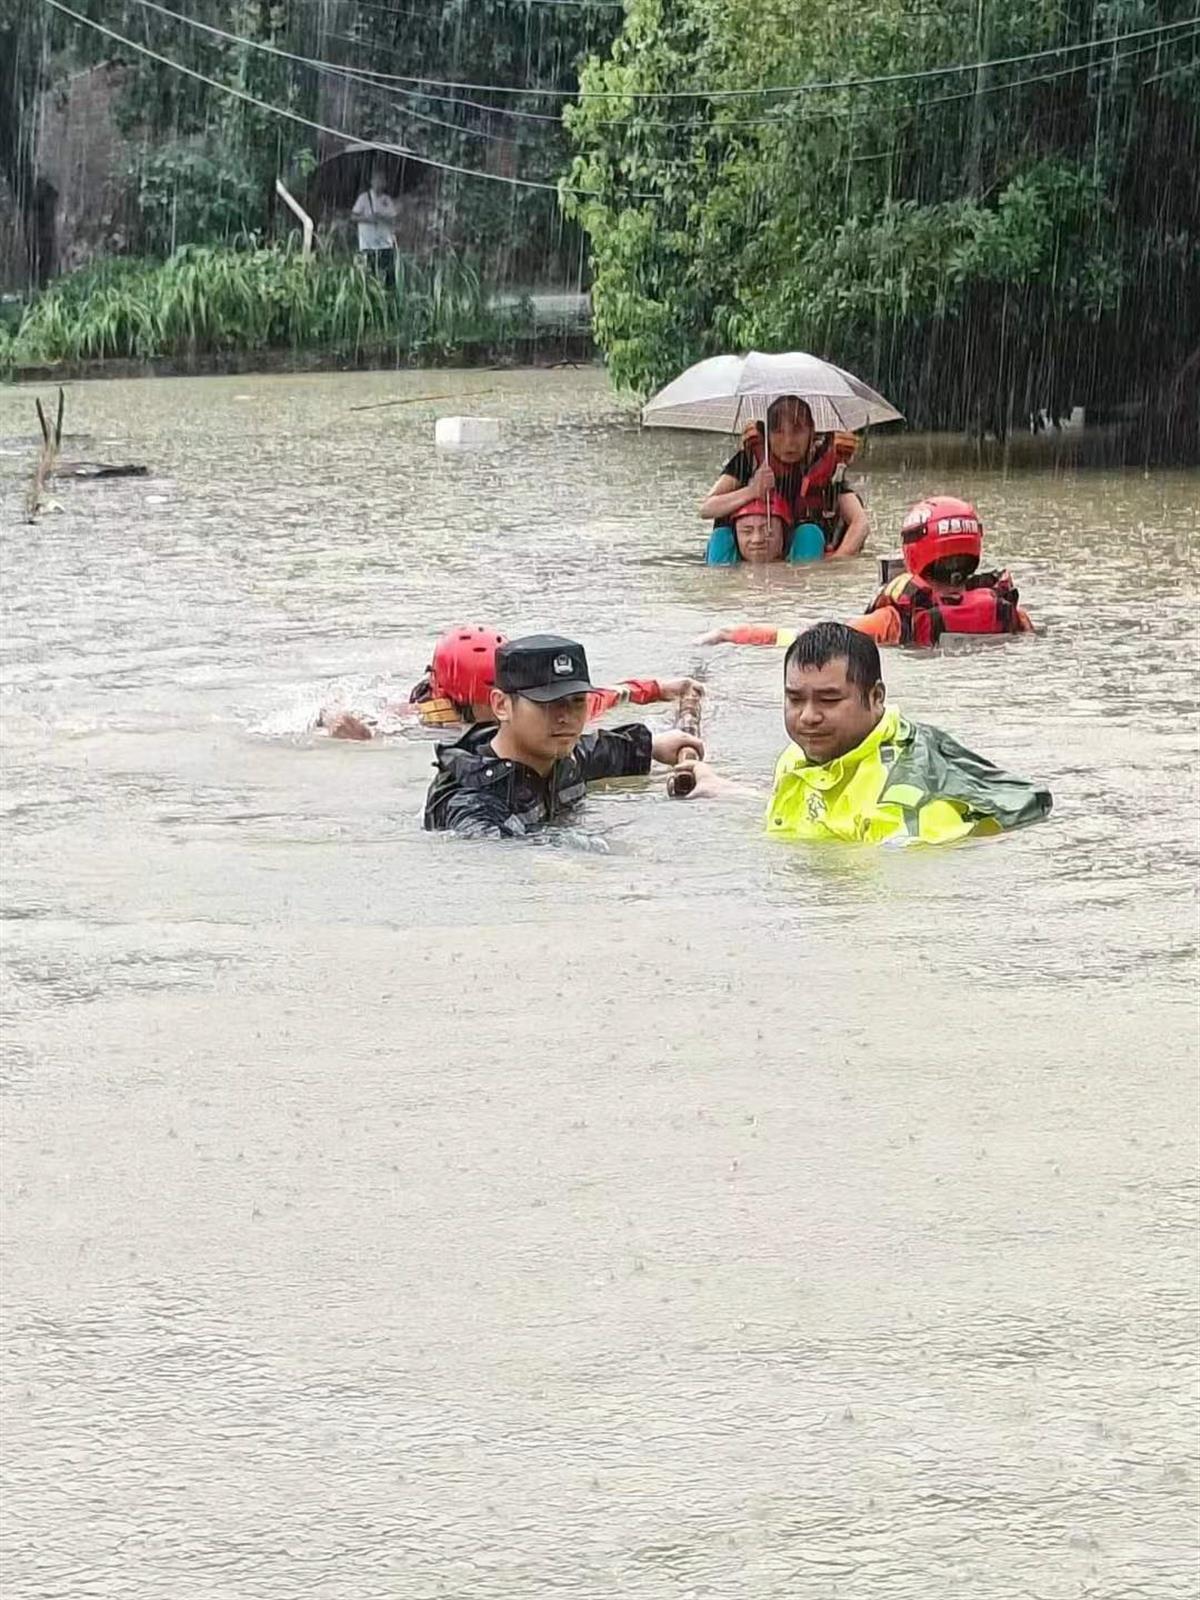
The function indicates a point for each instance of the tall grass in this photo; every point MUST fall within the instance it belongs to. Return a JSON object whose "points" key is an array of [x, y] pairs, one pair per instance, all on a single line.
{"points": [[207, 301]]}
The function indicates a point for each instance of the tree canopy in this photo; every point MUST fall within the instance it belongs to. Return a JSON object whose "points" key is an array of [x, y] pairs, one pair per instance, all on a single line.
{"points": [[983, 244]]}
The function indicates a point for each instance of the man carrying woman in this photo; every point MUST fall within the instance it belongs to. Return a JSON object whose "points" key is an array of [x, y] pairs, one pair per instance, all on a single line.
{"points": [[805, 469]]}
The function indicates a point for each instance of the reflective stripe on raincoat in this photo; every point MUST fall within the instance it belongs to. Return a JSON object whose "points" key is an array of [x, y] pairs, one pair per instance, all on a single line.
{"points": [[905, 783]]}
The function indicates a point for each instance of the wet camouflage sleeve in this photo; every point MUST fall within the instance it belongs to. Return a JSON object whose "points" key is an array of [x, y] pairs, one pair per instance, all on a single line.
{"points": [[473, 815], [622, 752]]}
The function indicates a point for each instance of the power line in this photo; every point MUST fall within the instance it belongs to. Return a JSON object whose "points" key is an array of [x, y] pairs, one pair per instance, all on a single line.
{"points": [[446, 99], [1180, 66], [322, 127], [721, 94], [380, 80], [1062, 72], [963, 94], [359, 75], [768, 120], [843, 113], [564, 5], [529, 183], [364, 73], [381, 92]]}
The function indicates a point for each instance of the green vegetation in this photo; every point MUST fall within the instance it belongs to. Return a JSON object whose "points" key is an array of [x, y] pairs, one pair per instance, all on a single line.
{"points": [[205, 301], [205, 163], [981, 246], [193, 192]]}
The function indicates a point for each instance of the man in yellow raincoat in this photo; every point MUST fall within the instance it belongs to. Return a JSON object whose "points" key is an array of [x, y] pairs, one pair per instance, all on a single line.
{"points": [[861, 773]]}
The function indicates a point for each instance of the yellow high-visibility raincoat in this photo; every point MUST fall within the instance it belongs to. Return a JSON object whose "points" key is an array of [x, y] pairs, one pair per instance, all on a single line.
{"points": [[905, 783]]}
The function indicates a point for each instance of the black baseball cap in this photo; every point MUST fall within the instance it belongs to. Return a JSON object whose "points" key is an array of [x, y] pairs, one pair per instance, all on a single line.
{"points": [[542, 667]]}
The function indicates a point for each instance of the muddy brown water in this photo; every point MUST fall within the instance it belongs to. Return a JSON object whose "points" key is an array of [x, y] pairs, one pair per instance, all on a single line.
{"points": [[688, 1215]]}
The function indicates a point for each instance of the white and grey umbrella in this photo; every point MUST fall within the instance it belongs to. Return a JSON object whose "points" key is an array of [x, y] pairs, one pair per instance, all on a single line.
{"points": [[724, 393]]}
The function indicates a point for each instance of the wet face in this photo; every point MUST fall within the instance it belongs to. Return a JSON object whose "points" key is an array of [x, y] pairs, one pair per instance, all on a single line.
{"points": [[758, 539], [791, 428], [824, 713], [539, 734]]}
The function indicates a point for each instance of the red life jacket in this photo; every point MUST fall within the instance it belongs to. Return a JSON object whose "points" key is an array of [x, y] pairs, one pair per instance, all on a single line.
{"points": [[987, 603], [815, 500]]}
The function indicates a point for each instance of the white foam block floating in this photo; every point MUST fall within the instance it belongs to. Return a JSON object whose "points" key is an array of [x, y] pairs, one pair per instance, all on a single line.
{"points": [[467, 430]]}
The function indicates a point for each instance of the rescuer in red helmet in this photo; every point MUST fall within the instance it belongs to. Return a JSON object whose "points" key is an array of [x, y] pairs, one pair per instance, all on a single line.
{"points": [[459, 680], [761, 529], [456, 690], [939, 592]]}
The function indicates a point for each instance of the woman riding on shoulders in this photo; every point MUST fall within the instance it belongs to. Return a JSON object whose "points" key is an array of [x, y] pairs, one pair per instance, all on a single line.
{"points": [[807, 468]]}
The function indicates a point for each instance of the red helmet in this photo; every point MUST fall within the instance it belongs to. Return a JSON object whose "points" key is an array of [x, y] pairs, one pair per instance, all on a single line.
{"points": [[758, 508], [937, 528], [464, 664]]}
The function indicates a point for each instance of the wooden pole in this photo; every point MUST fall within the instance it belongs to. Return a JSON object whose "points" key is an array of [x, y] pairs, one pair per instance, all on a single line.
{"points": [[681, 780]]}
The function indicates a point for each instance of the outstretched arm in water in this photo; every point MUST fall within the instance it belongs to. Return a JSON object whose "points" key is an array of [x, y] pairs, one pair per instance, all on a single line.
{"points": [[344, 724], [882, 625], [339, 723], [750, 633], [640, 692]]}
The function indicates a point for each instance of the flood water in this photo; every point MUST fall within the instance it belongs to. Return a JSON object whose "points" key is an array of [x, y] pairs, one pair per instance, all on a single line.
{"points": [[387, 1215]]}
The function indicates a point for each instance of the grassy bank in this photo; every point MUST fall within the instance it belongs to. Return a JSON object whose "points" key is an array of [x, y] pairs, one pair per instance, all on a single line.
{"points": [[549, 348], [205, 304]]}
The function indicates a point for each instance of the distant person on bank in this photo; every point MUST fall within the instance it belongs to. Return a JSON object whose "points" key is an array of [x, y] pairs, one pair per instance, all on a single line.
{"points": [[375, 213], [860, 773]]}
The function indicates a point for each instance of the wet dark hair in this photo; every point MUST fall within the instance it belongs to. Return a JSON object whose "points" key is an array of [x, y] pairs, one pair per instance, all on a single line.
{"points": [[951, 570], [787, 402], [831, 641]]}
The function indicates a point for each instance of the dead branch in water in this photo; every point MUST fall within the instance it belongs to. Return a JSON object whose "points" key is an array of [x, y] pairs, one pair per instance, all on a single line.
{"points": [[51, 442], [416, 399], [100, 469], [49, 466]]}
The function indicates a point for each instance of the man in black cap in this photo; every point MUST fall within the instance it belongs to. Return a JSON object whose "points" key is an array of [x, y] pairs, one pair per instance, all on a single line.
{"points": [[507, 781]]}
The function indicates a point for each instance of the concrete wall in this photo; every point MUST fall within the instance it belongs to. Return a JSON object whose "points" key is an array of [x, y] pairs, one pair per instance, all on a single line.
{"points": [[82, 154]]}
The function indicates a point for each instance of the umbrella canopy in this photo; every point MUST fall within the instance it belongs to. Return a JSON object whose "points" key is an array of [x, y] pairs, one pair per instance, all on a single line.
{"points": [[724, 393], [342, 176]]}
